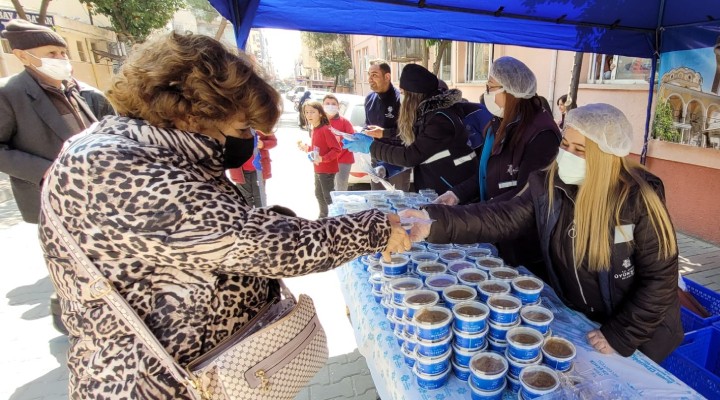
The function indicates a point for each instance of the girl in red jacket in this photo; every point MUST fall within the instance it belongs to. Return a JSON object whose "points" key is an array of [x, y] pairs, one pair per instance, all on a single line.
{"points": [[331, 105], [323, 152]]}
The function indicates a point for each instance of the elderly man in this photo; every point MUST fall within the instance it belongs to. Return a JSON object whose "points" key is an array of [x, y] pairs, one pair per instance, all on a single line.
{"points": [[40, 108]]}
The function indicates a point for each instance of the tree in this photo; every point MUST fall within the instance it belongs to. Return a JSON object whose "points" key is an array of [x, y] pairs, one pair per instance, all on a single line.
{"points": [[442, 46], [202, 10], [21, 10], [663, 127], [333, 62], [332, 51], [134, 20]]}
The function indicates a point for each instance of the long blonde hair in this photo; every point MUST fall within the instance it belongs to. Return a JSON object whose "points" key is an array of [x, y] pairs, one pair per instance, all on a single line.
{"points": [[408, 113], [600, 200]]}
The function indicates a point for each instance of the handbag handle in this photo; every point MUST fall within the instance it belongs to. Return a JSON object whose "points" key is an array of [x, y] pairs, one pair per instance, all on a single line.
{"points": [[100, 288]]}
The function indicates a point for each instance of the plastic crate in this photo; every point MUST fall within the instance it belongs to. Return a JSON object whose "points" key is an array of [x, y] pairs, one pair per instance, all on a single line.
{"points": [[697, 361], [708, 298]]}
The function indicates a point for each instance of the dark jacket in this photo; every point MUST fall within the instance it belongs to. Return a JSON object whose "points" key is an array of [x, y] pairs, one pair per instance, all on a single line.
{"points": [[638, 295], [509, 166], [507, 172], [440, 153], [382, 109], [32, 132], [96, 100]]}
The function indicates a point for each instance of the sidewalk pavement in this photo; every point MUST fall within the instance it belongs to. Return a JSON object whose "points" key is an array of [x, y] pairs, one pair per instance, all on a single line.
{"points": [[33, 366]]}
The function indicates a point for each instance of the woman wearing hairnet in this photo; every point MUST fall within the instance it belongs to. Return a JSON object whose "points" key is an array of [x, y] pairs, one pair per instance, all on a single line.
{"points": [[521, 138], [607, 241]]}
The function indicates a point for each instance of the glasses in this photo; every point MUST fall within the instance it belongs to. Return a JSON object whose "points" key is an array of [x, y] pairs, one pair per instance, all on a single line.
{"points": [[488, 88]]}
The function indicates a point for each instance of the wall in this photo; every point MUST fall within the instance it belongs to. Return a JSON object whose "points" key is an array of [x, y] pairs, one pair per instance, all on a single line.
{"points": [[690, 190]]}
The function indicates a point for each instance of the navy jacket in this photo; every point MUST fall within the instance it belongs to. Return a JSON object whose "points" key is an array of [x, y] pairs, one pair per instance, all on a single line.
{"points": [[382, 109]]}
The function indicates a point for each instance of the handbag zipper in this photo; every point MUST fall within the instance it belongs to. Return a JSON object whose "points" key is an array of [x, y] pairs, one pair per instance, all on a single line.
{"points": [[262, 372], [228, 341]]}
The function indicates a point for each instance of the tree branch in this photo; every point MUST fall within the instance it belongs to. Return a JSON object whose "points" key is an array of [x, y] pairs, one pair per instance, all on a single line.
{"points": [[19, 9]]}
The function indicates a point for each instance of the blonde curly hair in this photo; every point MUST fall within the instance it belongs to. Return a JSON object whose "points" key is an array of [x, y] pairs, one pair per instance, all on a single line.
{"points": [[194, 79]]}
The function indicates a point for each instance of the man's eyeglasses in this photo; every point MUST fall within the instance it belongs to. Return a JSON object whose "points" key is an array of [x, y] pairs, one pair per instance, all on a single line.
{"points": [[488, 88]]}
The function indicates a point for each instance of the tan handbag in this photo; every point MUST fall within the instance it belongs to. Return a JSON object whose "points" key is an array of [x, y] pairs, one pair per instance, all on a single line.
{"points": [[272, 357]]}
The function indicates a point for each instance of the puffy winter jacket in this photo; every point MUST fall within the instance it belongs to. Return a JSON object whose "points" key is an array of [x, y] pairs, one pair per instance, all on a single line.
{"points": [[440, 154], [638, 294]]}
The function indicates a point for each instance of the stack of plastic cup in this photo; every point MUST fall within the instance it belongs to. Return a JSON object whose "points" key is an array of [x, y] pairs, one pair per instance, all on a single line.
{"points": [[469, 331], [504, 315], [433, 326]]}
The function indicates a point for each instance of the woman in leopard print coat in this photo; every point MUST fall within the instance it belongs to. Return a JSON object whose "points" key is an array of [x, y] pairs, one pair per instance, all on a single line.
{"points": [[145, 196]]}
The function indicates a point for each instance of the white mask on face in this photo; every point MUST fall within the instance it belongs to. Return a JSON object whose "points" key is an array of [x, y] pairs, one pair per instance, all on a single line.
{"points": [[571, 168], [59, 69], [330, 110], [494, 109]]}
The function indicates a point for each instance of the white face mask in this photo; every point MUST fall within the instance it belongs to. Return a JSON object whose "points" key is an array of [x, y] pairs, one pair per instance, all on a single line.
{"points": [[59, 69], [330, 110], [494, 109], [571, 168]]}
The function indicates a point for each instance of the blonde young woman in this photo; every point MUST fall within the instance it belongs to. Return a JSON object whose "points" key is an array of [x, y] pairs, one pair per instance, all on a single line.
{"points": [[608, 243], [145, 196]]}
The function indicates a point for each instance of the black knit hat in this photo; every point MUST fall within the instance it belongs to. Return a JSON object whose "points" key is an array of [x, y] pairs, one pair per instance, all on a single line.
{"points": [[415, 78], [24, 35]]}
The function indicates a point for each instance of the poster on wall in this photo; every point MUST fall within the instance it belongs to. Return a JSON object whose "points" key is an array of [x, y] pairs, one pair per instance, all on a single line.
{"points": [[689, 94]]}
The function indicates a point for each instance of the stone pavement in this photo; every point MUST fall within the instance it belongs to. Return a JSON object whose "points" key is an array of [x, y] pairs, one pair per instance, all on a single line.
{"points": [[699, 261]]}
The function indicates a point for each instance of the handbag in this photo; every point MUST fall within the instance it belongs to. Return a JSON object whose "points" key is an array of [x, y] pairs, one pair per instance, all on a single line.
{"points": [[272, 357]]}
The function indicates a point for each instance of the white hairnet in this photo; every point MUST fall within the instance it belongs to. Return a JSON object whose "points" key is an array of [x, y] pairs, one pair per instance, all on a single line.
{"points": [[603, 124], [515, 77]]}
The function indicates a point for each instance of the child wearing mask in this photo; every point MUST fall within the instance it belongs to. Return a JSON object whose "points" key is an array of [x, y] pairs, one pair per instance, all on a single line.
{"points": [[331, 105]]}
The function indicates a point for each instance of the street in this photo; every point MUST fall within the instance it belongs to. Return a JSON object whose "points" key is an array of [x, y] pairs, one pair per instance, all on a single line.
{"points": [[34, 354]]}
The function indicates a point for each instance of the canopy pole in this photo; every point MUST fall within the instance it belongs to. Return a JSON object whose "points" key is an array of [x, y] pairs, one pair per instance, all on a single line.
{"points": [[243, 14], [651, 80], [574, 82], [648, 116]]}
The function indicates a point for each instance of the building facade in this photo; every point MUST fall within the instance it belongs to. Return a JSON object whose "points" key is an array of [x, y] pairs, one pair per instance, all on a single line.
{"points": [[92, 49]]}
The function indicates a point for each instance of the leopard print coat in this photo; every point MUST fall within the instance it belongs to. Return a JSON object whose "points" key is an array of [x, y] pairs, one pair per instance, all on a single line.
{"points": [[153, 210]]}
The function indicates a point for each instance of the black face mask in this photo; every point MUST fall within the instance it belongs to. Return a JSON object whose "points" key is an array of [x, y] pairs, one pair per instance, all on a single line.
{"points": [[237, 151]]}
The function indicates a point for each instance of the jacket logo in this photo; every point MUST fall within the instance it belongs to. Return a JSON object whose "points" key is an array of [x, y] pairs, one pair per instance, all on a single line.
{"points": [[511, 170], [389, 112], [627, 272]]}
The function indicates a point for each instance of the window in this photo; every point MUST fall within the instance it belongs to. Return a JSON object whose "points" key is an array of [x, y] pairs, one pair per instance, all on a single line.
{"points": [[479, 58], [96, 57], [6, 46], [618, 69], [445, 71], [81, 51]]}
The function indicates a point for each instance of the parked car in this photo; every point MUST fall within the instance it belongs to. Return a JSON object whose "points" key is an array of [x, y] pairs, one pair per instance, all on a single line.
{"points": [[295, 93], [352, 107], [315, 94]]}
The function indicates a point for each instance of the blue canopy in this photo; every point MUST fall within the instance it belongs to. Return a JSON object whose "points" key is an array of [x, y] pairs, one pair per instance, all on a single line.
{"points": [[639, 28], [636, 28]]}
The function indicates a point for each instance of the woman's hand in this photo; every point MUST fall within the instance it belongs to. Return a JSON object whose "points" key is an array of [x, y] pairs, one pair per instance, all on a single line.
{"points": [[419, 230], [448, 198], [317, 159], [598, 341], [398, 241]]}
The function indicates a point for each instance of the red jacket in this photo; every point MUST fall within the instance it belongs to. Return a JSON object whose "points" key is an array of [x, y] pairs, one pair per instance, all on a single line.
{"points": [[269, 141], [329, 148], [343, 125]]}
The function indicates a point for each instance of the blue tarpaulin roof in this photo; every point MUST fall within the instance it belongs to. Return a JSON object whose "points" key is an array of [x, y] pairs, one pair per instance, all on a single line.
{"points": [[637, 28]]}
